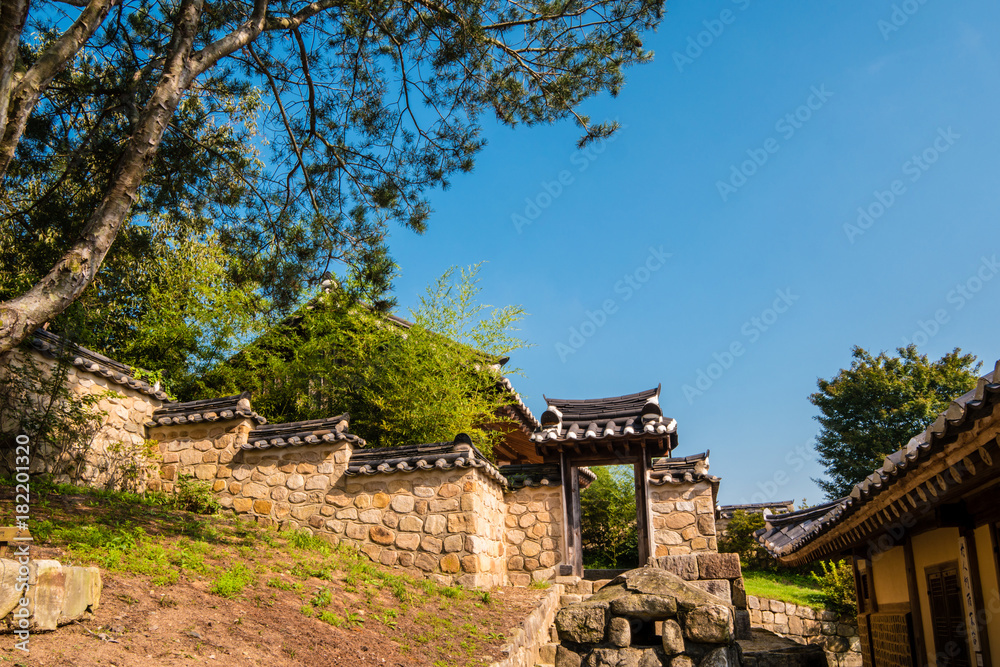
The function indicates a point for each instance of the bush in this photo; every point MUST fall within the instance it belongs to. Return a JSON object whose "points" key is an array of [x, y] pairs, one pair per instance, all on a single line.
{"points": [[195, 496], [837, 585], [739, 539]]}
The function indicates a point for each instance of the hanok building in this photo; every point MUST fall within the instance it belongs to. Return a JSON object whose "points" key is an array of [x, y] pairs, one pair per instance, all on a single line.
{"points": [[921, 532]]}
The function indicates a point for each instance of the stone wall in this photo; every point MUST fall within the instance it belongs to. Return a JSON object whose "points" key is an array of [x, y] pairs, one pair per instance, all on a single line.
{"points": [[116, 453], [836, 634], [204, 452], [683, 518], [448, 524], [533, 533], [715, 573]]}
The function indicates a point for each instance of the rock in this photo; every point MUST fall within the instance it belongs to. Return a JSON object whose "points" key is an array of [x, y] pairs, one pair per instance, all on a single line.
{"points": [[619, 632], [567, 658], [582, 623], [613, 657], [48, 594], [644, 606], [741, 625], [673, 637], [9, 597], [710, 624], [681, 661], [685, 567], [720, 657], [738, 592], [717, 587], [653, 657], [719, 566], [83, 592], [654, 581]]}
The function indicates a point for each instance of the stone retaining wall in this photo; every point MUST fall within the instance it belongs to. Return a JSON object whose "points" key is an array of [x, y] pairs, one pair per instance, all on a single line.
{"points": [[836, 634], [527, 643], [683, 518], [534, 533]]}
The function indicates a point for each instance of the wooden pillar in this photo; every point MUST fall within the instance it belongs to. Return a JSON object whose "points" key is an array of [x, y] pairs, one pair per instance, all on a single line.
{"points": [[982, 657], [644, 523], [571, 515], [916, 614]]}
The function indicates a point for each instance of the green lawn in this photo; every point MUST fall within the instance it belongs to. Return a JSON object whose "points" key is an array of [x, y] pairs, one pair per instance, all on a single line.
{"points": [[795, 588]]}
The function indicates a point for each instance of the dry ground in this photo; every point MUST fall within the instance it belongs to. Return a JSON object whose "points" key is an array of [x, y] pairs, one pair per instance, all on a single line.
{"points": [[183, 589]]}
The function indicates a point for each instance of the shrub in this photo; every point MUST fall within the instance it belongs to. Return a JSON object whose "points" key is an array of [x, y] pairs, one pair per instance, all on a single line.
{"points": [[739, 539], [232, 582], [837, 586], [195, 496]]}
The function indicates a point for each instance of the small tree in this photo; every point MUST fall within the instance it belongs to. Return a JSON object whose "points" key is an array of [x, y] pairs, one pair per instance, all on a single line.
{"points": [[874, 407], [608, 519], [739, 539], [402, 385]]}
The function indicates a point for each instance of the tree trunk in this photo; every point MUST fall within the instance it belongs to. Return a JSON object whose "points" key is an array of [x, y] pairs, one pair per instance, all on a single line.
{"points": [[64, 283]]}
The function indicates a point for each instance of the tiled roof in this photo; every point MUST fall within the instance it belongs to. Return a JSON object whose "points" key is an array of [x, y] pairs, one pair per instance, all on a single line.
{"points": [[80, 357], [519, 410], [297, 434], [784, 506], [684, 470], [460, 453], [541, 474], [206, 410], [786, 533], [604, 418]]}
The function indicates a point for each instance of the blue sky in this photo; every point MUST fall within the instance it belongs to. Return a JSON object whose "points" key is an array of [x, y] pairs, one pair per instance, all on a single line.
{"points": [[888, 107]]}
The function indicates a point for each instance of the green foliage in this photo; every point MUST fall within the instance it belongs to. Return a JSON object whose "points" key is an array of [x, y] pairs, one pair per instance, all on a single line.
{"points": [[837, 585], [786, 586], [296, 151], [401, 385], [739, 539], [35, 401], [232, 581], [873, 408], [194, 495], [608, 519]]}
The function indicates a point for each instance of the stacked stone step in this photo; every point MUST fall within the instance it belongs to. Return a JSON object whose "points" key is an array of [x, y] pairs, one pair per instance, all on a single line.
{"points": [[717, 574], [647, 617]]}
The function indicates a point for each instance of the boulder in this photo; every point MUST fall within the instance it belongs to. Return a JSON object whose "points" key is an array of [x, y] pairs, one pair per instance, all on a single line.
{"points": [[613, 657], [644, 606], [582, 623], [619, 632], [673, 637], [709, 624], [657, 582]]}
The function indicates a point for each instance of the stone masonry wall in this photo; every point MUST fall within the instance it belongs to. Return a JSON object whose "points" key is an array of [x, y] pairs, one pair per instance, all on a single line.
{"points": [[447, 524], [683, 519], [837, 634], [533, 534], [117, 455]]}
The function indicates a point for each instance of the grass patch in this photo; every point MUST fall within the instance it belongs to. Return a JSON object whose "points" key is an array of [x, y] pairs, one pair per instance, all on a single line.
{"points": [[231, 583], [798, 589]]}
